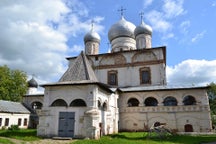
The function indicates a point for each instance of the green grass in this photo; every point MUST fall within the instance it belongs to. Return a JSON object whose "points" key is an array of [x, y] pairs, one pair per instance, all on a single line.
{"points": [[23, 134], [140, 138], [120, 138], [5, 141]]}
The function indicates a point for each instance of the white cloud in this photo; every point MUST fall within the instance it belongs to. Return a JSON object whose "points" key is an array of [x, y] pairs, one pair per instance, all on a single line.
{"points": [[173, 8], [198, 36], [184, 26], [158, 22], [34, 34], [147, 3], [77, 48], [162, 20], [198, 72], [168, 36]]}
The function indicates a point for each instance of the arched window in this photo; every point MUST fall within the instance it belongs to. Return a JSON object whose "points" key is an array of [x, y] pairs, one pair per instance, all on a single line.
{"points": [[133, 102], [99, 104], [78, 103], [104, 107], [150, 101], [170, 101], [36, 105], [189, 100], [59, 102]]}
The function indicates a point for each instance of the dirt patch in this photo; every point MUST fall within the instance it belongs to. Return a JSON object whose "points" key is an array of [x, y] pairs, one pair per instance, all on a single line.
{"points": [[42, 141]]}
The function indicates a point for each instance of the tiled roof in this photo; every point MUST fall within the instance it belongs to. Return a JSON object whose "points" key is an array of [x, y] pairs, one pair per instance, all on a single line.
{"points": [[12, 107], [80, 70]]}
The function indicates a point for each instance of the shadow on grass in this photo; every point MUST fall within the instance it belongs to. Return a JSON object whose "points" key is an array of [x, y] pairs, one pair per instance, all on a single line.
{"points": [[180, 139]]}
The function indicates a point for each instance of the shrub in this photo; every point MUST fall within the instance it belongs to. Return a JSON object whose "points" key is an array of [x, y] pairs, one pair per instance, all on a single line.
{"points": [[14, 127]]}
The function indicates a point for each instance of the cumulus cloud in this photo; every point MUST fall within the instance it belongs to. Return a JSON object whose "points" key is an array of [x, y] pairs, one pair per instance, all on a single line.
{"points": [[198, 36], [188, 72], [173, 8], [161, 20], [158, 22], [34, 34]]}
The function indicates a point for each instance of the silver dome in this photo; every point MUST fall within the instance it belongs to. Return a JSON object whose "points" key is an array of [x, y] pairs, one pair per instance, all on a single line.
{"points": [[32, 83], [143, 29], [92, 36], [121, 28]]}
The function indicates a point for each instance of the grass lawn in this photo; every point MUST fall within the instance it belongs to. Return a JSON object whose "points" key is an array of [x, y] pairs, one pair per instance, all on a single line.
{"points": [[120, 138], [140, 138], [5, 141], [23, 134]]}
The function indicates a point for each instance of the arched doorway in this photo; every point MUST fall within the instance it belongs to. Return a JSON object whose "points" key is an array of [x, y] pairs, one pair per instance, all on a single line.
{"points": [[188, 128]]}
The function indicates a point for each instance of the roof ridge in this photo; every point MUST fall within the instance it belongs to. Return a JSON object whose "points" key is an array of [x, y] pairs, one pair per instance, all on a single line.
{"points": [[80, 70]]}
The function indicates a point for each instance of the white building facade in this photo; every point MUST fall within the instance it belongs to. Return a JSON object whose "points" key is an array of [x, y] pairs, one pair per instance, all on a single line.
{"points": [[124, 90], [13, 113]]}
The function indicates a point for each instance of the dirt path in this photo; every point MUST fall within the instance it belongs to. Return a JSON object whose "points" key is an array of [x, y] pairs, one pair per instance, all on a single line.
{"points": [[42, 141]]}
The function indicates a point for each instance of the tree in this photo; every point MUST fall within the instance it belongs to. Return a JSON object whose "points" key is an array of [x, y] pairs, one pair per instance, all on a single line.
{"points": [[13, 84], [212, 101]]}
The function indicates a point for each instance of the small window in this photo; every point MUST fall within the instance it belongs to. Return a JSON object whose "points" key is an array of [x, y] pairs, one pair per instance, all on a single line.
{"points": [[113, 78], [104, 108], [150, 101], [19, 121], [37, 105], [145, 76], [7, 122], [78, 103], [99, 104], [0, 121], [170, 101], [59, 102], [133, 102], [189, 100], [25, 122]]}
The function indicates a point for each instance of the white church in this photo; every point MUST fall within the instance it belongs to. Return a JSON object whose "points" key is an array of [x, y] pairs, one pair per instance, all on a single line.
{"points": [[124, 90]]}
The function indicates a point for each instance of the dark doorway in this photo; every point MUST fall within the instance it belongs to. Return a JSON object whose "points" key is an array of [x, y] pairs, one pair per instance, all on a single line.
{"points": [[188, 128]]}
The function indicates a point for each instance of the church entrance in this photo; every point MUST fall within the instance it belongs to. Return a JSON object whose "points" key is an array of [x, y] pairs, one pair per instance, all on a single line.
{"points": [[66, 124], [188, 128]]}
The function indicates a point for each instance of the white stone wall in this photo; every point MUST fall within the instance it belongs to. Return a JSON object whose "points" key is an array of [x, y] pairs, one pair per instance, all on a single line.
{"points": [[123, 44], [87, 119], [175, 117], [13, 119]]}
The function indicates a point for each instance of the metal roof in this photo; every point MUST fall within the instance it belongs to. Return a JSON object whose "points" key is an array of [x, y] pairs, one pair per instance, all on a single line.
{"points": [[159, 88], [12, 107]]}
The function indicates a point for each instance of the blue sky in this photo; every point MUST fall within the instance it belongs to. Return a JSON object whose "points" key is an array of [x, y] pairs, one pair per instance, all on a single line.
{"points": [[37, 35]]}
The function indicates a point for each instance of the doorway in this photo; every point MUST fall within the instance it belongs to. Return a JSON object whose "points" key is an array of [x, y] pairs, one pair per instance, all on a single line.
{"points": [[66, 124]]}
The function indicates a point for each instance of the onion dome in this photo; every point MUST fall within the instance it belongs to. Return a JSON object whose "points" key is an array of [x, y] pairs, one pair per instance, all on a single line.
{"points": [[143, 29], [32, 83], [122, 28], [92, 36]]}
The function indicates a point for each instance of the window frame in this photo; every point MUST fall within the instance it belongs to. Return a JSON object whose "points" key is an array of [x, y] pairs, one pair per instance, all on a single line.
{"points": [[25, 122], [19, 123], [109, 77], [7, 121], [145, 69]]}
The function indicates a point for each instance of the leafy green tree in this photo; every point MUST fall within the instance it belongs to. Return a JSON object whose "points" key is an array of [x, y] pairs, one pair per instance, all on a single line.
{"points": [[13, 84], [212, 101]]}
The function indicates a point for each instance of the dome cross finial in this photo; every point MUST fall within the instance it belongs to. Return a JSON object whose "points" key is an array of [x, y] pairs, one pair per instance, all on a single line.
{"points": [[92, 25], [122, 11], [141, 16]]}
